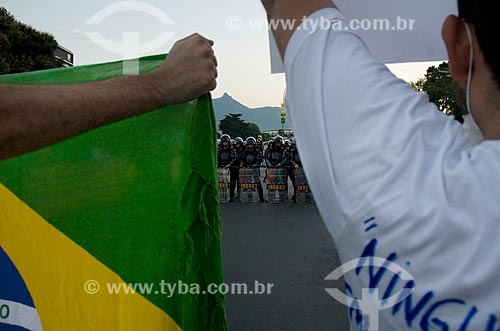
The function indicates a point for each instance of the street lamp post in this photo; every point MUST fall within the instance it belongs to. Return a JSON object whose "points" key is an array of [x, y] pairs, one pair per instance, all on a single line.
{"points": [[283, 113]]}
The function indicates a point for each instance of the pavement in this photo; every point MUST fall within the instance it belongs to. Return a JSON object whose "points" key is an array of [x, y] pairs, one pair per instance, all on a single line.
{"points": [[286, 245]]}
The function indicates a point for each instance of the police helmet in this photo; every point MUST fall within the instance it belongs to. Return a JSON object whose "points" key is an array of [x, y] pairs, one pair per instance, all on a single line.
{"points": [[278, 140], [251, 141]]}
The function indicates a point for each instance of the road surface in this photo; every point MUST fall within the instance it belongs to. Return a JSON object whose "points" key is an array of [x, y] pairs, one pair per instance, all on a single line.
{"points": [[286, 245]]}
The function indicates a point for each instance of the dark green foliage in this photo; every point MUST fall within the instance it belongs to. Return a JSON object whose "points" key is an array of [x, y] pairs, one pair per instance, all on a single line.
{"points": [[22, 48], [442, 90], [234, 126]]}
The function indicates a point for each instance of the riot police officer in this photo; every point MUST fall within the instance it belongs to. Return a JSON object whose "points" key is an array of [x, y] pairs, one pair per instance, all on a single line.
{"points": [[225, 152], [276, 156], [294, 155], [225, 157], [286, 145], [252, 158], [239, 147], [238, 150], [260, 144], [291, 165], [269, 146]]}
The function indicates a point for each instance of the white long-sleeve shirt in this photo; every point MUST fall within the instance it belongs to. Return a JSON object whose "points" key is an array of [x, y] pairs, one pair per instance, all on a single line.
{"points": [[395, 178]]}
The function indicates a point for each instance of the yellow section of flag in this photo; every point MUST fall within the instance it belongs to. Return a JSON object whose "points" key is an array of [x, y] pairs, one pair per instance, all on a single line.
{"points": [[54, 267]]}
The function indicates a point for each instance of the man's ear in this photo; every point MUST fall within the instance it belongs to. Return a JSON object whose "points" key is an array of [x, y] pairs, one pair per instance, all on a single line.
{"points": [[458, 46]]}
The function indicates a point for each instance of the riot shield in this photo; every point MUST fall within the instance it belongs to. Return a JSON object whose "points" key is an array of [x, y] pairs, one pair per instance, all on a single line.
{"points": [[303, 193], [249, 183], [276, 184], [224, 185]]}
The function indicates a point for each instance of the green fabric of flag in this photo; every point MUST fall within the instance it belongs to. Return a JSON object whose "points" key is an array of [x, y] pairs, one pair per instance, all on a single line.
{"points": [[140, 196]]}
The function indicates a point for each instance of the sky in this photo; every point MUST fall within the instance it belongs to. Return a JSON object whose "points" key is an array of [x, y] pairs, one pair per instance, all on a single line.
{"points": [[242, 52]]}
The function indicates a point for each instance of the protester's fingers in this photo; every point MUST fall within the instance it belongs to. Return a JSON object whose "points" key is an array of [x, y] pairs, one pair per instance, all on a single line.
{"points": [[209, 51], [210, 42], [213, 58], [211, 55], [187, 38]]}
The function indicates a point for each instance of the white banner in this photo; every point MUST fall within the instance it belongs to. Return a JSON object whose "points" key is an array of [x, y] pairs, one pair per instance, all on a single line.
{"points": [[396, 31]]}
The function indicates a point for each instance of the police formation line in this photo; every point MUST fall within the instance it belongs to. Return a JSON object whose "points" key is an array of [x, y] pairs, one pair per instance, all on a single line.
{"points": [[240, 162]]}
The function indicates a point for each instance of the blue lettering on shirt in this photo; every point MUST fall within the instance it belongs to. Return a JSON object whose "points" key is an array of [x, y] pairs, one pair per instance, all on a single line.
{"points": [[423, 311]]}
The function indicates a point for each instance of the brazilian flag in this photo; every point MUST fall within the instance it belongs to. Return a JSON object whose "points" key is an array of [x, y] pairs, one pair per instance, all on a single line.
{"points": [[115, 229]]}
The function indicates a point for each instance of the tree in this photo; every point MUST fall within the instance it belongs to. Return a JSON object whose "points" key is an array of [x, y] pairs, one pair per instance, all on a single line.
{"points": [[254, 130], [266, 136], [234, 126], [22, 48], [442, 90]]}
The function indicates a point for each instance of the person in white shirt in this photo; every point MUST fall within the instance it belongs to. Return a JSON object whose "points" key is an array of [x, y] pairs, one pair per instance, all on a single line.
{"points": [[396, 179]]}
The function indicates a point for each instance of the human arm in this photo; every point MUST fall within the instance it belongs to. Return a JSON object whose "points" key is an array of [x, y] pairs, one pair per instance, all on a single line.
{"points": [[266, 159], [260, 159], [36, 116], [294, 10], [232, 155], [284, 160], [236, 160], [242, 159], [219, 164], [373, 134], [290, 159], [296, 158]]}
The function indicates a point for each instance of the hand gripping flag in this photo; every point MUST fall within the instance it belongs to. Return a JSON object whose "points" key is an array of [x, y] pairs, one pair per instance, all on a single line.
{"points": [[115, 229]]}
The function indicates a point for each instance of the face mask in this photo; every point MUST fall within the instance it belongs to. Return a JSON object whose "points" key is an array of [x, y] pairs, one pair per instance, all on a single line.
{"points": [[475, 134], [470, 124]]}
